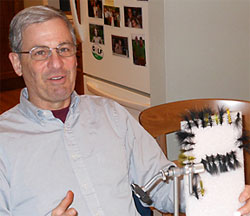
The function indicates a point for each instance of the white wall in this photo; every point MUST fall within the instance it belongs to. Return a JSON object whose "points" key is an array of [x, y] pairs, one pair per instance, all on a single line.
{"points": [[203, 48], [207, 46], [204, 52]]}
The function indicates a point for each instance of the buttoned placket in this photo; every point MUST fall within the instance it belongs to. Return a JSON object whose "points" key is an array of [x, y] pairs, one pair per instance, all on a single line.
{"points": [[81, 172]]}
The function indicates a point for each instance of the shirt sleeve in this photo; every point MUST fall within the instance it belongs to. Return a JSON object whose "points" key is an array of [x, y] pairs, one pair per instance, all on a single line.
{"points": [[146, 160]]}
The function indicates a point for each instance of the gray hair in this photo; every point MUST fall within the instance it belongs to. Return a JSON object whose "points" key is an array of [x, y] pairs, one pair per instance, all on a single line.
{"points": [[31, 15]]}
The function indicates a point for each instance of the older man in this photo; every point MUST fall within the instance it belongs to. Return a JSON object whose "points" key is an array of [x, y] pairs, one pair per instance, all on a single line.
{"points": [[62, 154]]}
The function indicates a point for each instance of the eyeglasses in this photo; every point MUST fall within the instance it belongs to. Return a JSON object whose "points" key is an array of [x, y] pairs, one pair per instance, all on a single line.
{"points": [[40, 53]]}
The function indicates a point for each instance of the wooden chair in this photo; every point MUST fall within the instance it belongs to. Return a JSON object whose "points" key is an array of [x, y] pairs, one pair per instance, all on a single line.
{"points": [[165, 119]]}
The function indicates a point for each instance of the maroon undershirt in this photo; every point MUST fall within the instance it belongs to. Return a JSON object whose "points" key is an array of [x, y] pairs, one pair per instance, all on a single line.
{"points": [[61, 114]]}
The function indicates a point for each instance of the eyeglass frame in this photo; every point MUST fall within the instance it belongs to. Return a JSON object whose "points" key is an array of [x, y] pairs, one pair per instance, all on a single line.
{"points": [[50, 50]]}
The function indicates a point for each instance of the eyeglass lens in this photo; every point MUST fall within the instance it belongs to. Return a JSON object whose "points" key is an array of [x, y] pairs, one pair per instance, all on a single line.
{"points": [[43, 52]]}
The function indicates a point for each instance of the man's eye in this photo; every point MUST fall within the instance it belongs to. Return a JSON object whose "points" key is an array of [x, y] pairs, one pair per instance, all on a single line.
{"points": [[40, 52], [64, 49]]}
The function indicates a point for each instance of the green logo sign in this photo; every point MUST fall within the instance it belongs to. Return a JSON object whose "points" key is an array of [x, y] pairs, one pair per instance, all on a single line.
{"points": [[97, 52]]}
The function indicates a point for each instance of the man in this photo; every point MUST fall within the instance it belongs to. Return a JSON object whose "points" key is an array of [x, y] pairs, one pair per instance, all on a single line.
{"points": [[96, 38], [129, 17], [61, 153]]}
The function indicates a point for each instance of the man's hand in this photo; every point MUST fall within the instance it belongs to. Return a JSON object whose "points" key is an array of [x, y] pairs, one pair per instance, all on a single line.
{"points": [[62, 208], [245, 197]]}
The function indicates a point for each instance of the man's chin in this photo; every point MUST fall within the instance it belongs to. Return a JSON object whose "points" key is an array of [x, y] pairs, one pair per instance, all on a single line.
{"points": [[60, 96]]}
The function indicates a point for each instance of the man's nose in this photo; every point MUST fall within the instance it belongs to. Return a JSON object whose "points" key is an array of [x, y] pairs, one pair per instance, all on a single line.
{"points": [[55, 60]]}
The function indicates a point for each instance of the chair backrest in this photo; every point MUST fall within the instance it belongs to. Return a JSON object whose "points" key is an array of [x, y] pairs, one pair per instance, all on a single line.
{"points": [[164, 119]]}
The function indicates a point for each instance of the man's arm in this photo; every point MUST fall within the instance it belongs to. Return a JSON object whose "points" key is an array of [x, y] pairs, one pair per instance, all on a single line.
{"points": [[4, 189], [63, 208], [147, 159]]}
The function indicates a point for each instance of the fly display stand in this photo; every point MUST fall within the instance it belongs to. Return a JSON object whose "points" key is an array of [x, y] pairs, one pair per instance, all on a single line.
{"points": [[216, 141], [143, 193]]}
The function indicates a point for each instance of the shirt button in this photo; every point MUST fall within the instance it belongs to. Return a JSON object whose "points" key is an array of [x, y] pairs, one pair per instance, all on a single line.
{"points": [[85, 186], [75, 157], [67, 127]]}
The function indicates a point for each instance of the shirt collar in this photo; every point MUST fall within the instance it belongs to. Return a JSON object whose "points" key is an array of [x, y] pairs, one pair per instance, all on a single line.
{"points": [[40, 115]]}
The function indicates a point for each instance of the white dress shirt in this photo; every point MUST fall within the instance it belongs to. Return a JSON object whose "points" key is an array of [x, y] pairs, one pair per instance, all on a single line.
{"points": [[97, 153]]}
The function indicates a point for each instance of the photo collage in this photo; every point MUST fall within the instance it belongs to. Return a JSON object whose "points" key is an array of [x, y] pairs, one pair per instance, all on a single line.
{"points": [[111, 16]]}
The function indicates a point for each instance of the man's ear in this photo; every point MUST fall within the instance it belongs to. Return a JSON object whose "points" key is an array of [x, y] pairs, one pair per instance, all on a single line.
{"points": [[16, 63]]}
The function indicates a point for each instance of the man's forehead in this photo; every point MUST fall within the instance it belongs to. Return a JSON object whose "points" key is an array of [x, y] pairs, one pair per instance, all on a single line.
{"points": [[51, 32], [46, 23]]}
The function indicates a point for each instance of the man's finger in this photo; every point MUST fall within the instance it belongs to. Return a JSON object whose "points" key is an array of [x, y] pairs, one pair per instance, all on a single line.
{"points": [[245, 210], [64, 204], [245, 195]]}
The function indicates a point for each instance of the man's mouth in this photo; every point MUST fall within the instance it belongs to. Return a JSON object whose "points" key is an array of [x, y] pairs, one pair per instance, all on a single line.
{"points": [[57, 78]]}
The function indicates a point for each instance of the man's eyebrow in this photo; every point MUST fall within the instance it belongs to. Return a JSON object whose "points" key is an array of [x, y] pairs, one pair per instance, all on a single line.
{"points": [[40, 45]]}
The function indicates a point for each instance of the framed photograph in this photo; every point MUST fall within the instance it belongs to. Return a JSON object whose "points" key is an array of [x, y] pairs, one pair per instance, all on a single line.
{"points": [[120, 45], [139, 52], [112, 16], [95, 8], [133, 17], [96, 34]]}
